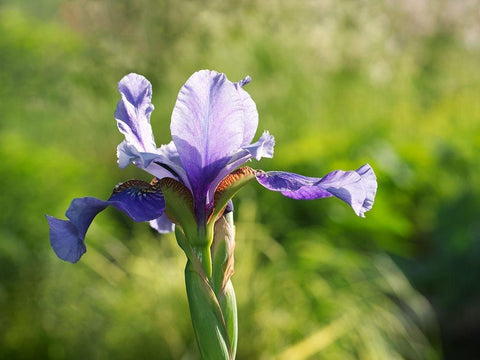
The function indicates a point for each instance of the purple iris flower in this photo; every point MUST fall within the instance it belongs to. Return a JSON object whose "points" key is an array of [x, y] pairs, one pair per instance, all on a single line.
{"points": [[213, 125]]}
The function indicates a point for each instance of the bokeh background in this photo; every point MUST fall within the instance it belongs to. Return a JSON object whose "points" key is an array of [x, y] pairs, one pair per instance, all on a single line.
{"points": [[339, 83]]}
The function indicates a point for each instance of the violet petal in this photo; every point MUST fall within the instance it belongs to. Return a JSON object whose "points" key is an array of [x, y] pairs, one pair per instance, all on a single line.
{"points": [[138, 199], [356, 188], [208, 126]]}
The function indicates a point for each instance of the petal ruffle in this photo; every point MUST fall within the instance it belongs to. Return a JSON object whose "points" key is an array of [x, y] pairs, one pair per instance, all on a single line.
{"points": [[263, 148], [138, 199], [164, 163], [133, 112], [208, 125], [356, 188], [250, 112]]}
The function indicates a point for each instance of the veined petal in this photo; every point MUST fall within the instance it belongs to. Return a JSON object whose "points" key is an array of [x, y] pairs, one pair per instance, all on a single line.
{"points": [[162, 224], [356, 188], [263, 147], [138, 199], [128, 153], [133, 112], [165, 162], [250, 112], [208, 125]]}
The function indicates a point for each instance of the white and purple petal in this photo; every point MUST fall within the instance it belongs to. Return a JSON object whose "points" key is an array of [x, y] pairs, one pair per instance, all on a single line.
{"points": [[208, 126], [133, 112], [250, 113], [138, 199], [263, 147], [356, 188], [162, 224]]}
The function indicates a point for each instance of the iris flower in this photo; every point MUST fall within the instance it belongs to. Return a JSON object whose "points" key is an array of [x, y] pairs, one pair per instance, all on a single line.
{"points": [[213, 124]]}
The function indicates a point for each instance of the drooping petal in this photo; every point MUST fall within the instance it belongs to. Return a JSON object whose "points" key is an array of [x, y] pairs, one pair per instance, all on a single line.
{"points": [[133, 112], [162, 224], [356, 188], [65, 239], [208, 126], [138, 199]]}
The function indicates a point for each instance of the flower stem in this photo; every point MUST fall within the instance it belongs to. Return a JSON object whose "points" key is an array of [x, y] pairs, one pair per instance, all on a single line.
{"points": [[203, 254]]}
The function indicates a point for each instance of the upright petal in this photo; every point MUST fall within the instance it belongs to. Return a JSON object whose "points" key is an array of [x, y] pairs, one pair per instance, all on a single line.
{"points": [[356, 188], [208, 125], [250, 112], [138, 199], [133, 112]]}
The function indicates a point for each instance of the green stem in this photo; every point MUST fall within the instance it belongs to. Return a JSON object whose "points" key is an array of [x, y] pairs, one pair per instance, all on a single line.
{"points": [[205, 258]]}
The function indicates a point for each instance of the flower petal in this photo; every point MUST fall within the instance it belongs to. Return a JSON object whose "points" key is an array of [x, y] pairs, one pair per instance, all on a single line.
{"points": [[263, 147], [128, 154], [356, 188], [133, 112], [66, 240], [164, 163], [250, 112], [162, 224], [208, 125], [138, 199]]}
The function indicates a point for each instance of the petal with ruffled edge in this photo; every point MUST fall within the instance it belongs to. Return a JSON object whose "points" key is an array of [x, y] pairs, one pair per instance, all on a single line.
{"points": [[138, 199], [250, 113], [133, 112], [208, 126], [356, 188], [164, 163]]}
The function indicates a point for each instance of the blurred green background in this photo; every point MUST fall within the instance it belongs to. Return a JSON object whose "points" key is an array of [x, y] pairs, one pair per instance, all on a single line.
{"points": [[339, 84]]}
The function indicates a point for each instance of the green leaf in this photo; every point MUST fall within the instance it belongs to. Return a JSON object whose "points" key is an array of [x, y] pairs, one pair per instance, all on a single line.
{"points": [[207, 319]]}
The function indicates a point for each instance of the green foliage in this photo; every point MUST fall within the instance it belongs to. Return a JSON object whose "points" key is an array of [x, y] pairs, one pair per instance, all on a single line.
{"points": [[338, 84]]}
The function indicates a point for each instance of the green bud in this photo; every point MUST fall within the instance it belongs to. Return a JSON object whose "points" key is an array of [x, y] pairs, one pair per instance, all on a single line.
{"points": [[222, 269]]}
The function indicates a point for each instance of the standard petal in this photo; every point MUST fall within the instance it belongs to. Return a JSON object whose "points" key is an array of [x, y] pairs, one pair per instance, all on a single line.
{"points": [[133, 112], [208, 125], [250, 112], [356, 188], [162, 224], [138, 199]]}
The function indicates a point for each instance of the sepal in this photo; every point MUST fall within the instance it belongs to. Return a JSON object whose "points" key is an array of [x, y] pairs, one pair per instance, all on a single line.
{"points": [[179, 206], [228, 187]]}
